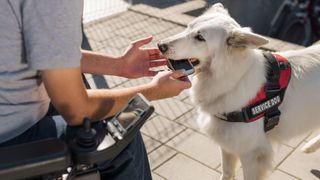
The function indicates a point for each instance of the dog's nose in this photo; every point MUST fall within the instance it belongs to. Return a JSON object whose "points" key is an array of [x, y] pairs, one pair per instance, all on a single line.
{"points": [[163, 47]]}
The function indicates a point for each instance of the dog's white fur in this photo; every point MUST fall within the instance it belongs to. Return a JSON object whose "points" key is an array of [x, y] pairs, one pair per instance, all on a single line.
{"points": [[232, 72]]}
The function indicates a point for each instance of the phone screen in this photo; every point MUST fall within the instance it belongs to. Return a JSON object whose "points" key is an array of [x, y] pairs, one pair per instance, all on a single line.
{"points": [[132, 113], [131, 117], [182, 64]]}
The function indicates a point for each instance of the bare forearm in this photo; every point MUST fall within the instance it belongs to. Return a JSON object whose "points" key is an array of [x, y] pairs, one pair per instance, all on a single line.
{"points": [[68, 94], [100, 63], [106, 103]]}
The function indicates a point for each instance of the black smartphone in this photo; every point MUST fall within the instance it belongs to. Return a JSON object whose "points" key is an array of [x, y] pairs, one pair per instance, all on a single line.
{"points": [[181, 64]]}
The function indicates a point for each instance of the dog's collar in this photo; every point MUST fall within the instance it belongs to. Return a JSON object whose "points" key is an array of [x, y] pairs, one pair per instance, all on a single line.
{"points": [[268, 99]]}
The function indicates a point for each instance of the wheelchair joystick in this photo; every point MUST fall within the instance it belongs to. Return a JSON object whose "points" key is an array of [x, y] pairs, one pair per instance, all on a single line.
{"points": [[84, 143], [86, 136]]}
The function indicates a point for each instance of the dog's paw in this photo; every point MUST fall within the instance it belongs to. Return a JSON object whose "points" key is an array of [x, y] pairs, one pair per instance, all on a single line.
{"points": [[226, 177], [308, 148]]}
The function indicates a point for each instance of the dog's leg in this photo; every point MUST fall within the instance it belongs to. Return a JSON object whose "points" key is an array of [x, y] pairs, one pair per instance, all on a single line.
{"points": [[229, 162], [312, 145], [257, 163]]}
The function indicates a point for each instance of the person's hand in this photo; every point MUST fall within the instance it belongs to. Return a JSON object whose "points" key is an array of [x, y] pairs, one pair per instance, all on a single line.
{"points": [[137, 61], [168, 84]]}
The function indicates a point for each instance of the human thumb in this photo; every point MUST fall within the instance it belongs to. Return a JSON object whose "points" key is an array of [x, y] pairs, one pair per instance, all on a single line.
{"points": [[179, 74]]}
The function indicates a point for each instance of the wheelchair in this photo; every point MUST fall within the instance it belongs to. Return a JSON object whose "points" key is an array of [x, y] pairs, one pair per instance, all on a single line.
{"points": [[77, 158]]}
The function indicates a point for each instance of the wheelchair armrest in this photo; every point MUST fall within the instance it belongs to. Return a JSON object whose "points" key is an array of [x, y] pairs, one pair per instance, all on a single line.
{"points": [[34, 159]]}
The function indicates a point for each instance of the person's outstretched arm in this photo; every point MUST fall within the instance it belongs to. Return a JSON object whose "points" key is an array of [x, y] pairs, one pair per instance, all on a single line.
{"points": [[135, 62], [69, 96]]}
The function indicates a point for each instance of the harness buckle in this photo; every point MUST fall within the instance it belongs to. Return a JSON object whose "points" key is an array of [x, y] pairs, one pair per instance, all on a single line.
{"points": [[272, 88], [271, 119]]}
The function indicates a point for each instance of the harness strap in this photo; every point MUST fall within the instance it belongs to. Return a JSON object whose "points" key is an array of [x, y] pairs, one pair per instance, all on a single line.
{"points": [[271, 95], [272, 88], [273, 73]]}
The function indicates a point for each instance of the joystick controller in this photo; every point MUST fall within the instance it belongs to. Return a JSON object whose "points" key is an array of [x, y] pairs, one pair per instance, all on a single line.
{"points": [[86, 137]]}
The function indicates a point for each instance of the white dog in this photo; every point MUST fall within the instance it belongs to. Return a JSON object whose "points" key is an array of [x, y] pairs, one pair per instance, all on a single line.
{"points": [[232, 72]]}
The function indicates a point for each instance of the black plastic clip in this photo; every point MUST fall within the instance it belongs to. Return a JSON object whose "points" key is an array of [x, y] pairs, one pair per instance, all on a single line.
{"points": [[271, 119]]}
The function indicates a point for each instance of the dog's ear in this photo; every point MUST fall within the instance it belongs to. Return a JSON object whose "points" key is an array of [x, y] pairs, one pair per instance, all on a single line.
{"points": [[243, 37], [217, 8]]}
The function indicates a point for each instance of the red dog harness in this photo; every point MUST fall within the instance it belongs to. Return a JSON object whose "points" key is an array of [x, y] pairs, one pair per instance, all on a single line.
{"points": [[268, 99]]}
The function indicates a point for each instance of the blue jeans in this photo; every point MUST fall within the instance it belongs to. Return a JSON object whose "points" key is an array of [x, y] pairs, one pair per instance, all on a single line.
{"points": [[132, 163]]}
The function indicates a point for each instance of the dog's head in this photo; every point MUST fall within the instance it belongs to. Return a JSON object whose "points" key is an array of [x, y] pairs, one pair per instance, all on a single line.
{"points": [[211, 38]]}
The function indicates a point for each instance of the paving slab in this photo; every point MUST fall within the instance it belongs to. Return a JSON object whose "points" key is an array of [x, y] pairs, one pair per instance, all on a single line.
{"points": [[160, 156], [275, 175], [295, 142], [133, 82], [281, 152], [189, 120], [151, 144], [302, 165], [183, 95], [171, 108], [156, 177], [162, 129], [188, 6], [279, 175], [181, 167], [115, 81], [187, 100], [197, 146], [95, 9]]}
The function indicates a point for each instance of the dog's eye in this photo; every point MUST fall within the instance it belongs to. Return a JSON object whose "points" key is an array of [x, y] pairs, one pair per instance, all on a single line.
{"points": [[199, 37]]}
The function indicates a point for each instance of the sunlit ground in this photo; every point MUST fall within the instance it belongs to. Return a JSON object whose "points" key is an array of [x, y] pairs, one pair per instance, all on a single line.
{"points": [[95, 9]]}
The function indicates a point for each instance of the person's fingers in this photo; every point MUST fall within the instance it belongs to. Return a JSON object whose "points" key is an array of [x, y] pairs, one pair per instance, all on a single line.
{"points": [[184, 78], [186, 83], [162, 62], [178, 74], [152, 73], [142, 42], [154, 54]]}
